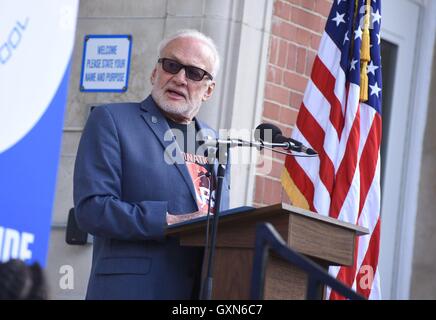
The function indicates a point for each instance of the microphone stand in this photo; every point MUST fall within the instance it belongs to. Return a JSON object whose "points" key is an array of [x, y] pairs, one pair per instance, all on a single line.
{"points": [[207, 282], [206, 288]]}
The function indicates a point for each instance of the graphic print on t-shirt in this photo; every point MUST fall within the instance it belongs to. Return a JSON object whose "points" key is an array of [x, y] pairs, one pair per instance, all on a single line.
{"points": [[203, 184], [197, 163]]}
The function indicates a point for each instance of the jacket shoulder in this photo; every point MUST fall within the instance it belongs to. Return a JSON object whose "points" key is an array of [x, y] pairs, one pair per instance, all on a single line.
{"points": [[115, 108]]}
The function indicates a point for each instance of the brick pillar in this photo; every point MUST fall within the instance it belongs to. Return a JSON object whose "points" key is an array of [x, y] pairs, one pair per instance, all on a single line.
{"points": [[296, 31]]}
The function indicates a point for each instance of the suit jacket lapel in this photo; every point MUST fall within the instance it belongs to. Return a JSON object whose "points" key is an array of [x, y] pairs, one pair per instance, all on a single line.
{"points": [[158, 124]]}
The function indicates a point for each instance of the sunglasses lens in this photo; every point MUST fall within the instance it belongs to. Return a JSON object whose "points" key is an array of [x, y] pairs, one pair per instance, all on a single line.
{"points": [[174, 67], [171, 66], [194, 73]]}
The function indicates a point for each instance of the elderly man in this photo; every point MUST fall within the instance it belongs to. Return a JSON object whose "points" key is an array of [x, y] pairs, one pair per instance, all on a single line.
{"points": [[126, 191]]}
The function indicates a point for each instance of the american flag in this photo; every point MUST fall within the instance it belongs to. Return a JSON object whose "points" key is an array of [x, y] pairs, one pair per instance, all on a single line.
{"points": [[344, 181]]}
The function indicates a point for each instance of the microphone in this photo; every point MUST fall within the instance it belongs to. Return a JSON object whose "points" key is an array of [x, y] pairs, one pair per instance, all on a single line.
{"points": [[262, 134]]}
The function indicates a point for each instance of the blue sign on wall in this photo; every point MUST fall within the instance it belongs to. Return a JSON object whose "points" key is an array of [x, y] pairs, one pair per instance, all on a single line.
{"points": [[106, 63]]}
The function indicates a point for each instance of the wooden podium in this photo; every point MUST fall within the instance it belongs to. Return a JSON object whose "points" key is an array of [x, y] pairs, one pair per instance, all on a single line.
{"points": [[324, 240]]}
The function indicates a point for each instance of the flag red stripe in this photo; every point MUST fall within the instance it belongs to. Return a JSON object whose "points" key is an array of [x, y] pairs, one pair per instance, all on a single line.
{"points": [[347, 168], [368, 160], [325, 82], [315, 135], [301, 180], [371, 260]]}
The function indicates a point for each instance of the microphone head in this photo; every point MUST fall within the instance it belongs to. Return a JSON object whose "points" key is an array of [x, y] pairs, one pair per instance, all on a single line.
{"points": [[311, 152], [267, 132]]}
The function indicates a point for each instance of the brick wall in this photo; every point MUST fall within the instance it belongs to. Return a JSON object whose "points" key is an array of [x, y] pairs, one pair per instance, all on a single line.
{"points": [[296, 30]]}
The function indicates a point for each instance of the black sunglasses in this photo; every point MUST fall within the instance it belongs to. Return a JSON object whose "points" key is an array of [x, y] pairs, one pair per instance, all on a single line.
{"points": [[193, 73]]}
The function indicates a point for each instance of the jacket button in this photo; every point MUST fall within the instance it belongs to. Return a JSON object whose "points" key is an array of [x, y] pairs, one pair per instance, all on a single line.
{"points": [[153, 119]]}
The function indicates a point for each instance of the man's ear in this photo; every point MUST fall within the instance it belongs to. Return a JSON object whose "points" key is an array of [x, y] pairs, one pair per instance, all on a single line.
{"points": [[153, 76], [209, 91]]}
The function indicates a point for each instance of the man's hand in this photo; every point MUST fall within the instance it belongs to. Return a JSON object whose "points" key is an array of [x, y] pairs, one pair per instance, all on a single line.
{"points": [[172, 218]]}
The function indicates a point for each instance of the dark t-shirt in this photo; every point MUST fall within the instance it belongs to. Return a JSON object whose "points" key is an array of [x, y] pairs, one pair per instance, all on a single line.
{"points": [[197, 163]]}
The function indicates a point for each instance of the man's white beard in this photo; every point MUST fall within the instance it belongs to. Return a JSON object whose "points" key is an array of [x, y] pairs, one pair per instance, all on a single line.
{"points": [[182, 111]]}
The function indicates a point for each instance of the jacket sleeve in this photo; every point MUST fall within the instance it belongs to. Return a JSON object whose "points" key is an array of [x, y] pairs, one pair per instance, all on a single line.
{"points": [[97, 187]]}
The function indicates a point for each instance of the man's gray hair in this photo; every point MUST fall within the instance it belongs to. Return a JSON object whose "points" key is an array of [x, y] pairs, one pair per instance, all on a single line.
{"points": [[191, 33]]}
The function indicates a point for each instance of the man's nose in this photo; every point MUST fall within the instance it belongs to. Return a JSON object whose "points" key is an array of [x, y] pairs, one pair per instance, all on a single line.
{"points": [[180, 77]]}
